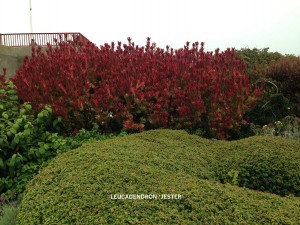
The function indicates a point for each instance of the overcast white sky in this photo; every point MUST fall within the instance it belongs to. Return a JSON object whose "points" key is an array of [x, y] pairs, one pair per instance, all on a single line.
{"points": [[219, 23]]}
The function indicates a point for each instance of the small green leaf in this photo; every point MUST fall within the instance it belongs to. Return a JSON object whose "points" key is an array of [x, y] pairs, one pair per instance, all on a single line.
{"points": [[46, 147], [5, 115], [22, 111], [13, 98], [16, 139], [27, 106], [12, 92], [27, 132], [40, 115], [16, 126], [28, 125], [13, 130], [42, 151], [49, 109]]}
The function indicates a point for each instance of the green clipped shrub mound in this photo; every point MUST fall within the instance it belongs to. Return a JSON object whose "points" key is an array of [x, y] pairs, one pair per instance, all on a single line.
{"points": [[261, 163], [80, 186]]}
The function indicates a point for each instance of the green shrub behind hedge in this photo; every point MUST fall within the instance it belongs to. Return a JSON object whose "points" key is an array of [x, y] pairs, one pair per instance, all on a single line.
{"points": [[27, 140]]}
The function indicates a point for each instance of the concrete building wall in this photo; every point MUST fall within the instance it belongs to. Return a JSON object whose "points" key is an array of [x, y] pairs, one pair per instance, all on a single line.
{"points": [[12, 58]]}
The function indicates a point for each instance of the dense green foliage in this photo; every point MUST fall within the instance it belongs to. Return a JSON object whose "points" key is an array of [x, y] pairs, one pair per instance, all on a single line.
{"points": [[282, 90], [257, 60], [76, 187], [286, 72], [28, 141], [271, 108]]}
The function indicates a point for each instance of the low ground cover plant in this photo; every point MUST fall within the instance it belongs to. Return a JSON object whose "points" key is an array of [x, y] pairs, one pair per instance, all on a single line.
{"points": [[138, 88], [77, 186]]}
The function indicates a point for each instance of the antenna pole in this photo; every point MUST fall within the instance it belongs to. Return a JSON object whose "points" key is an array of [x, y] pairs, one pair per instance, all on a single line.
{"points": [[30, 8]]}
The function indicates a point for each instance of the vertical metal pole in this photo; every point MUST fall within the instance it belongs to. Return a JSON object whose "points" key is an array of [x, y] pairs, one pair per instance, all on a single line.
{"points": [[30, 8], [31, 29]]}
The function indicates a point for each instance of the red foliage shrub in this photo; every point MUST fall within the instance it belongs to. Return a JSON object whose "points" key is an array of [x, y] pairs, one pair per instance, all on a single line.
{"points": [[61, 77], [139, 88]]}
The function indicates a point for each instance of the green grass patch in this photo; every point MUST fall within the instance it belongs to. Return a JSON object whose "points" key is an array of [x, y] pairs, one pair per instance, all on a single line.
{"points": [[77, 187]]}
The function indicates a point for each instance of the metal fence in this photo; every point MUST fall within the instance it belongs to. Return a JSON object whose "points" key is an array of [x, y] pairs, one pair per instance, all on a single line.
{"points": [[42, 39]]}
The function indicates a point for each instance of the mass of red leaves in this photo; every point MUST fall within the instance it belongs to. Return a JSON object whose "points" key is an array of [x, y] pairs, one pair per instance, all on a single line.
{"points": [[136, 88]]}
